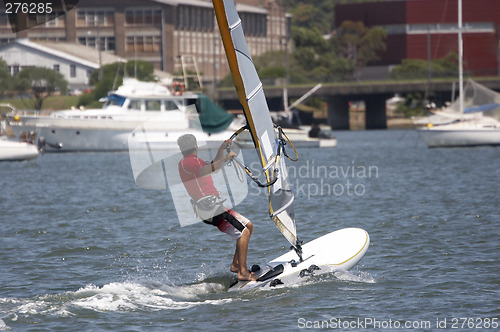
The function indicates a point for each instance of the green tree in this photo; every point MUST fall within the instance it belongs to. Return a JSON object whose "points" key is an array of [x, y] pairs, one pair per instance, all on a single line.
{"points": [[410, 69], [317, 59], [335, 68], [315, 14], [359, 44], [4, 77], [39, 83], [270, 59], [141, 70], [447, 66], [310, 38], [418, 68]]}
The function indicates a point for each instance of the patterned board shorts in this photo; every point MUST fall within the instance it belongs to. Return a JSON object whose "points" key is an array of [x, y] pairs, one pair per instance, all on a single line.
{"points": [[234, 226]]}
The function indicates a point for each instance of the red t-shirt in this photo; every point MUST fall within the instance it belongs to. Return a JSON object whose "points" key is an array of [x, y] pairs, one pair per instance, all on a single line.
{"points": [[197, 186]]}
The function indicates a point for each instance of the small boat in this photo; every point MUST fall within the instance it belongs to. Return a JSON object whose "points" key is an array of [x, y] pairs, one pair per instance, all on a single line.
{"points": [[11, 150], [168, 111], [473, 118], [474, 124]]}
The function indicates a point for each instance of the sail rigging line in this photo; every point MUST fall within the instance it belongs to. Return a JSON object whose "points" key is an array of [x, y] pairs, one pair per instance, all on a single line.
{"points": [[280, 148], [239, 172], [282, 134], [253, 177], [241, 165]]}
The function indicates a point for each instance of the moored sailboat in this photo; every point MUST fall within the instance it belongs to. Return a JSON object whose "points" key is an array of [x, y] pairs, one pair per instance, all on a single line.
{"points": [[474, 117]]}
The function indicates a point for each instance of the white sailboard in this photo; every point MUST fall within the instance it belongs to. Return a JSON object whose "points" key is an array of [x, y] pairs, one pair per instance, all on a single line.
{"points": [[341, 249]]}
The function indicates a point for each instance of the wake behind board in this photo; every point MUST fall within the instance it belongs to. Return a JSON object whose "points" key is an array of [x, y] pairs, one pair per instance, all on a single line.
{"points": [[338, 250]]}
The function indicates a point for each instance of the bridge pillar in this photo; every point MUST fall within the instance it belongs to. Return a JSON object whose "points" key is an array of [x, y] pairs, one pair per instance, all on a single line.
{"points": [[375, 111], [338, 112]]}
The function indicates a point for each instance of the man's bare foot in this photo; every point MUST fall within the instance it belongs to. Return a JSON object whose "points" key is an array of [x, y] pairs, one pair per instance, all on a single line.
{"points": [[247, 277], [233, 269]]}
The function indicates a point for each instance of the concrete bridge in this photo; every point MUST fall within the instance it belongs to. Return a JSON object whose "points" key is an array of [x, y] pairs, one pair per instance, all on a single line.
{"points": [[374, 94]]}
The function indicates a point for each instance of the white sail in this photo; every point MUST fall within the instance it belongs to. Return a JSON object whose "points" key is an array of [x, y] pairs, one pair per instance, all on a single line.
{"points": [[478, 98], [252, 98]]}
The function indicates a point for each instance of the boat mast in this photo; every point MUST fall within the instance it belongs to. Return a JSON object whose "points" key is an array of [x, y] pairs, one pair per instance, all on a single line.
{"points": [[460, 59]]}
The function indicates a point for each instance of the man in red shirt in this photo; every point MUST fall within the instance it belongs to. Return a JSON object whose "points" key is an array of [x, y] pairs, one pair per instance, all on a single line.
{"points": [[195, 175]]}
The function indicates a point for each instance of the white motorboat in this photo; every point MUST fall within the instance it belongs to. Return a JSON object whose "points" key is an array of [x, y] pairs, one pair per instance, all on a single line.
{"points": [[168, 112]]}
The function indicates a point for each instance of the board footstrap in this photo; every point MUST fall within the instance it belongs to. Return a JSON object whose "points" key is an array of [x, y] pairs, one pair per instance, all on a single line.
{"points": [[277, 270]]}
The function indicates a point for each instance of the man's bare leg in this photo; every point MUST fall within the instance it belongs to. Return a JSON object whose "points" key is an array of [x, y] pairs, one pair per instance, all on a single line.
{"points": [[234, 265], [241, 254]]}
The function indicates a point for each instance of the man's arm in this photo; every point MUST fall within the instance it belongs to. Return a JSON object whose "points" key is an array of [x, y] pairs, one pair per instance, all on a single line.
{"points": [[219, 159]]}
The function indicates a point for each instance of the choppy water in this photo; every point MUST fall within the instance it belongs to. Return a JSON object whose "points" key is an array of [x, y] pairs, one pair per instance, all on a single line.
{"points": [[83, 248]]}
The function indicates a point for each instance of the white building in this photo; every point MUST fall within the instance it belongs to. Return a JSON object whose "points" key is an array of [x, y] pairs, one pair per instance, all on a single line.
{"points": [[74, 61]]}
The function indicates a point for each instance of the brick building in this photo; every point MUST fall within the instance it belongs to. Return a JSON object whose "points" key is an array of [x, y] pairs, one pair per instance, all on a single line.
{"points": [[159, 31], [418, 29]]}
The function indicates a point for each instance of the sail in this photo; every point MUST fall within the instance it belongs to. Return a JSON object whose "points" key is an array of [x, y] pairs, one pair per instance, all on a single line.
{"points": [[478, 98], [252, 99]]}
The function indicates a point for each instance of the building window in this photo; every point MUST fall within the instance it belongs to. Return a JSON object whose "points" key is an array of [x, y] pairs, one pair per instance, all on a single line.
{"points": [[56, 68], [107, 43], [72, 71], [110, 44], [5, 41], [180, 18], [87, 41], [143, 17], [92, 18], [49, 39], [147, 44], [254, 24], [55, 19], [194, 18], [4, 20]]}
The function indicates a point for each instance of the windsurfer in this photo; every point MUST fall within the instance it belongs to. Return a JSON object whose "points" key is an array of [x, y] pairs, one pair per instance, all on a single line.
{"points": [[196, 177]]}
